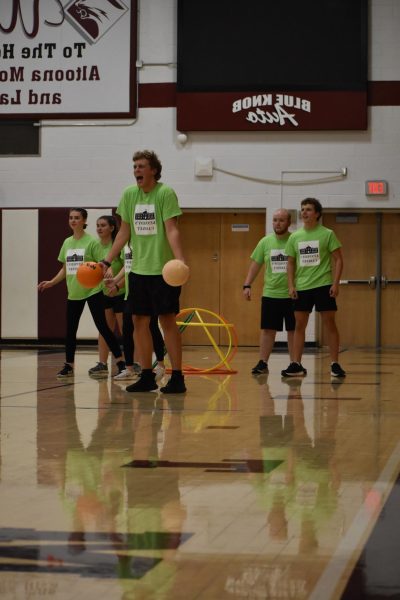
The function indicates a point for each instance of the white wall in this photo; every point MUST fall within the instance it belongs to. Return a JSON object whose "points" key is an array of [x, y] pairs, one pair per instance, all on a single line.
{"points": [[91, 165], [19, 277], [19, 300]]}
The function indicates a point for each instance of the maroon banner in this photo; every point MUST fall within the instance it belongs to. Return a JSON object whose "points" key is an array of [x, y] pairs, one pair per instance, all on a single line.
{"points": [[271, 111]]}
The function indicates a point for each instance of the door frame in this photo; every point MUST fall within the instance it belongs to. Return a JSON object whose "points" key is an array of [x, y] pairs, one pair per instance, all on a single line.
{"points": [[379, 276]]}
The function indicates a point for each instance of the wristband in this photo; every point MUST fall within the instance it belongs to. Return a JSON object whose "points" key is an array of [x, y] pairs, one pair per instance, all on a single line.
{"points": [[246, 287], [105, 262]]}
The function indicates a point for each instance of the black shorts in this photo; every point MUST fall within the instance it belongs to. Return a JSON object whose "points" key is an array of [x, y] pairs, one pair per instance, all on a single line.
{"points": [[275, 312], [116, 303], [150, 295], [318, 297]]}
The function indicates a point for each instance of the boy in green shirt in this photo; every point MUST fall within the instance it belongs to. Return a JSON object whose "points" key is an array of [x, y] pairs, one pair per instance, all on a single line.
{"points": [[149, 212], [312, 283]]}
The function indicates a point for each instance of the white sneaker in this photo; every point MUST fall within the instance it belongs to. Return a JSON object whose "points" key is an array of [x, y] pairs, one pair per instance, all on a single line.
{"points": [[159, 371], [125, 374]]}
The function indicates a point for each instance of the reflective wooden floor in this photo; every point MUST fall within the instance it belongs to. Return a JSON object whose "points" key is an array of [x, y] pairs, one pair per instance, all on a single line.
{"points": [[245, 487]]}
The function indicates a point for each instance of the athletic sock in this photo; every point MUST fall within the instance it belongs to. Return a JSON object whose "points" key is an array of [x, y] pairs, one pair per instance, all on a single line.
{"points": [[145, 383], [121, 365], [176, 374], [175, 385], [147, 374]]}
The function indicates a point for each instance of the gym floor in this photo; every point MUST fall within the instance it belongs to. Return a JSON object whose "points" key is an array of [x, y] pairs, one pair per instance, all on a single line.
{"points": [[244, 487]]}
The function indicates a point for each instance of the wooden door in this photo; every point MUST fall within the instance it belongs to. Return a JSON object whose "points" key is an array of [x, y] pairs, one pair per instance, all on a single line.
{"points": [[200, 234], [356, 302], [217, 247], [390, 294], [240, 233]]}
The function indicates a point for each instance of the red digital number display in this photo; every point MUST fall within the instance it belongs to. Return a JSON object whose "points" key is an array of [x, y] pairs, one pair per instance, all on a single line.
{"points": [[376, 188]]}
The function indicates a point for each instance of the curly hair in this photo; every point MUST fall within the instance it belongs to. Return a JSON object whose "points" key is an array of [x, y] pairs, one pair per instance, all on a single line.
{"points": [[315, 203], [153, 160]]}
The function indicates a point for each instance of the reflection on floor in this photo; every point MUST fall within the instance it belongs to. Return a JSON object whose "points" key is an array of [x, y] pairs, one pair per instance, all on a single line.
{"points": [[244, 487]]}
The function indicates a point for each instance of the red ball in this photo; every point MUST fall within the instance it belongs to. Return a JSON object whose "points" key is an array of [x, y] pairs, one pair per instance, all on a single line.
{"points": [[89, 274]]}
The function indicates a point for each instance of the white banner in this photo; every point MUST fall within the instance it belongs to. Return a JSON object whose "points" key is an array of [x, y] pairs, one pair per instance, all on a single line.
{"points": [[68, 58]]}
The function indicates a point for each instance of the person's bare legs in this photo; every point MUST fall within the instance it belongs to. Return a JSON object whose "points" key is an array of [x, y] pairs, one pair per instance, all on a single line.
{"points": [[143, 340], [332, 333], [267, 341], [173, 340], [144, 351], [290, 343], [299, 334], [173, 343], [144, 345]]}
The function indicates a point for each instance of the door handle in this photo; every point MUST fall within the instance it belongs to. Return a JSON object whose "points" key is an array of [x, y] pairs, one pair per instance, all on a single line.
{"points": [[215, 257], [385, 281], [371, 281]]}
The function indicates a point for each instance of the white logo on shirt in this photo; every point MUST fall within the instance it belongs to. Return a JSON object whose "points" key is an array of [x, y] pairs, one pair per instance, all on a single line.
{"points": [[278, 260], [309, 253], [75, 258], [127, 259], [145, 219]]}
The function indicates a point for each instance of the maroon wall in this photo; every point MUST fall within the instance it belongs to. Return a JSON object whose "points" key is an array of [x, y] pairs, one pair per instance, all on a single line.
{"points": [[53, 229]]}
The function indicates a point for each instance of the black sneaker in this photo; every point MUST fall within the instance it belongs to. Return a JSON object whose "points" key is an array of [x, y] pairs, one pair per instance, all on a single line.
{"points": [[294, 370], [175, 385], [66, 371], [261, 368], [100, 370], [143, 384], [337, 371]]}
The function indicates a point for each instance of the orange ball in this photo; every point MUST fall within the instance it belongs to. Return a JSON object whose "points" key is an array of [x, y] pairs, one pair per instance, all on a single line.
{"points": [[175, 272], [89, 274]]}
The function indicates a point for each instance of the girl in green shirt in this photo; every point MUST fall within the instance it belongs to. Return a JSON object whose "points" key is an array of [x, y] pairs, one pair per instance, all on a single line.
{"points": [[77, 249], [107, 229]]}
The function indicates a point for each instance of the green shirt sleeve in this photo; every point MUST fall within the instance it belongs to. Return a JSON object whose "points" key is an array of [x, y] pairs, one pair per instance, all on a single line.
{"points": [[258, 254]]}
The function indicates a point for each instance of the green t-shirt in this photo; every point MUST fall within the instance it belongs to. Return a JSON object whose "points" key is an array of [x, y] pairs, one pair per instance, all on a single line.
{"points": [[271, 251], [100, 252], [312, 250], [74, 253], [146, 213]]}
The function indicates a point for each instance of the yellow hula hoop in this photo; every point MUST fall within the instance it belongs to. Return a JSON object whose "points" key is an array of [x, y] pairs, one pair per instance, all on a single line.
{"points": [[231, 332]]}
